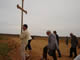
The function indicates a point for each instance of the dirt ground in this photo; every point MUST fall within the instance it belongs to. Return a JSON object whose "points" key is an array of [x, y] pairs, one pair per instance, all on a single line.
{"points": [[37, 48]]}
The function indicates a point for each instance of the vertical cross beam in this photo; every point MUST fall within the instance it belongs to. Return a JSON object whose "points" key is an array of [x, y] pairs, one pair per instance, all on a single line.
{"points": [[22, 15], [22, 10]]}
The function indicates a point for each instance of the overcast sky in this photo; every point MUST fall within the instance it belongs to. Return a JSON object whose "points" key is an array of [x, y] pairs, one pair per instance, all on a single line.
{"points": [[60, 15]]}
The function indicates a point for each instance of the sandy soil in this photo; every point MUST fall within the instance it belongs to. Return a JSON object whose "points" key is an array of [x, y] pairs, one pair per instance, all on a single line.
{"points": [[37, 48]]}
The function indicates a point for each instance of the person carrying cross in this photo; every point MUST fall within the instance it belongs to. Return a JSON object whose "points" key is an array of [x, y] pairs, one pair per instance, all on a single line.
{"points": [[24, 41]]}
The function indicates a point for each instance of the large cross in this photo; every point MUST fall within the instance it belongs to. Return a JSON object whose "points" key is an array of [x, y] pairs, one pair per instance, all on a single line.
{"points": [[22, 10]]}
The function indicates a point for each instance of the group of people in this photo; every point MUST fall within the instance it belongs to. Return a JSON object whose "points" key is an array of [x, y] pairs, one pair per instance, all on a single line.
{"points": [[50, 49], [53, 45]]}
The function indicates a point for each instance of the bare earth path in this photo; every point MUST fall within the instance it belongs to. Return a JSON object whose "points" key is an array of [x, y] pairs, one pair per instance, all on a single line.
{"points": [[37, 48]]}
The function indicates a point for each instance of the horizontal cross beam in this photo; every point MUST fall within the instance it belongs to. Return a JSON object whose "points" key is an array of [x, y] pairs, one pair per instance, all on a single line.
{"points": [[21, 9]]}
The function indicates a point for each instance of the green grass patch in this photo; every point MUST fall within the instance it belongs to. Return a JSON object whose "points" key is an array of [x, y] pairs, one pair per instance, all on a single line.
{"points": [[3, 38], [4, 50]]}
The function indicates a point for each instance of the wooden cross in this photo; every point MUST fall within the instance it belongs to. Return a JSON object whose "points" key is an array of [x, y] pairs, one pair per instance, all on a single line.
{"points": [[22, 10]]}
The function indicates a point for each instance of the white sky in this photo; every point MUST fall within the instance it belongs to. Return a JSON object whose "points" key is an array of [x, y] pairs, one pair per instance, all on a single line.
{"points": [[60, 15]]}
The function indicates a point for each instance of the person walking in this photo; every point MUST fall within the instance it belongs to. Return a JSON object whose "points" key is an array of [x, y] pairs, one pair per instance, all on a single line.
{"points": [[52, 45], [57, 38], [74, 44]]}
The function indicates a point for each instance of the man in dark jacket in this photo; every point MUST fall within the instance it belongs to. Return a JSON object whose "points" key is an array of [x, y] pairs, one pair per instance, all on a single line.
{"points": [[57, 38], [74, 43]]}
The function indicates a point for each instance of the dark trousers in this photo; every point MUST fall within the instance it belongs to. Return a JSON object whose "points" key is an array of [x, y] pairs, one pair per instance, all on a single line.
{"points": [[73, 50], [54, 56], [28, 46], [59, 53], [45, 50], [51, 53]]}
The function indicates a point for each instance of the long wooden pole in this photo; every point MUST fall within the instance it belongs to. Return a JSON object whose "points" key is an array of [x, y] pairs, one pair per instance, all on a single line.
{"points": [[22, 15]]}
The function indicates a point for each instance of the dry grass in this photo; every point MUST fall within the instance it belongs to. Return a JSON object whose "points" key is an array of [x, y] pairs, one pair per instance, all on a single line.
{"points": [[37, 48]]}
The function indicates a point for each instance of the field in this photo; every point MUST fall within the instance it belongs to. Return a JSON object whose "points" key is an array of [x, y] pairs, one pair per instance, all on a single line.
{"points": [[9, 48]]}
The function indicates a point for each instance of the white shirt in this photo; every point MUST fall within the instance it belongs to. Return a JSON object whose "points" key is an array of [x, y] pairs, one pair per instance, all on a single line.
{"points": [[25, 36]]}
